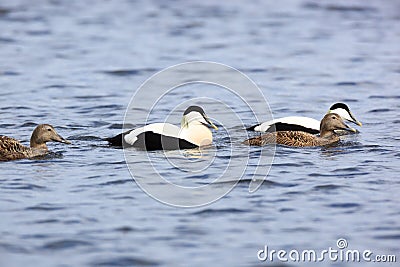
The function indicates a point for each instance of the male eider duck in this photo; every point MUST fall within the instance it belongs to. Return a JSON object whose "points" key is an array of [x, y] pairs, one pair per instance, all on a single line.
{"points": [[304, 124], [329, 124], [11, 149], [193, 133]]}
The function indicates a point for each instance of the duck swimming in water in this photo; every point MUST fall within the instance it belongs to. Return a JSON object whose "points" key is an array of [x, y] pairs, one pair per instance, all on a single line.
{"points": [[304, 124], [193, 133], [329, 124], [11, 149]]}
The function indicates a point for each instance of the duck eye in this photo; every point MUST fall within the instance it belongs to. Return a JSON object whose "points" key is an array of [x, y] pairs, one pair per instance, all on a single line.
{"points": [[49, 130]]}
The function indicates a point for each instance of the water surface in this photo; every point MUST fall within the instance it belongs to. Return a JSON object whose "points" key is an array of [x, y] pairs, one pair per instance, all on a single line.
{"points": [[76, 64]]}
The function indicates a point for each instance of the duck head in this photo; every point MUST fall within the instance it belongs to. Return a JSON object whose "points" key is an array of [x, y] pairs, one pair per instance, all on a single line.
{"points": [[332, 122], [344, 111], [195, 115], [44, 133]]}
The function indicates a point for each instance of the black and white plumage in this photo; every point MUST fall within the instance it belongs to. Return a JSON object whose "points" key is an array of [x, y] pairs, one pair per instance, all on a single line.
{"points": [[304, 124], [194, 132]]}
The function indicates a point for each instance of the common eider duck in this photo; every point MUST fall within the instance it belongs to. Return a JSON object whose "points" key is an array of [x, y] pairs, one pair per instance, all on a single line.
{"points": [[194, 132], [12, 149], [304, 124], [329, 124]]}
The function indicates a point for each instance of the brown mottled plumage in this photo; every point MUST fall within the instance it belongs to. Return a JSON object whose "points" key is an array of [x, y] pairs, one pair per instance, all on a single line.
{"points": [[11, 149], [329, 124]]}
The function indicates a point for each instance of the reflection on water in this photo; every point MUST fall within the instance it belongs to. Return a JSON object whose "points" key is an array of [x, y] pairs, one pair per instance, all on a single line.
{"points": [[194, 155]]}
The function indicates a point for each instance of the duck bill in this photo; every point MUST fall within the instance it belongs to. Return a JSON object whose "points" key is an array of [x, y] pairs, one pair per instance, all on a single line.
{"points": [[61, 139], [354, 120], [348, 128], [351, 130], [212, 124]]}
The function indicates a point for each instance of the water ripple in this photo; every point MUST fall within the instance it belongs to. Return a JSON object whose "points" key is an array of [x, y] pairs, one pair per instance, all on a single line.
{"points": [[116, 182], [65, 244], [130, 72], [24, 186], [125, 261], [380, 110], [212, 212], [44, 207], [13, 248], [327, 187], [345, 205], [389, 237]]}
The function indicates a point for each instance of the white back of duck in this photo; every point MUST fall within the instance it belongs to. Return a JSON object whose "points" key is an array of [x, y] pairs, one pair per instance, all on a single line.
{"points": [[165, 129], [305, 122]]}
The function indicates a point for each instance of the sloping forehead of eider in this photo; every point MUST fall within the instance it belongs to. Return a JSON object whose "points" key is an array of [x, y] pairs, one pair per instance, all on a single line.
{"points": [[194, 109], [340, 105], [332, 116], [44, 126]]}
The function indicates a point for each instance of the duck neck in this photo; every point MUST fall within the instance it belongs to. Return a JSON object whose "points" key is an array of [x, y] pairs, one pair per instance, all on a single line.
{"points": [[327, 134], [37, 144]]}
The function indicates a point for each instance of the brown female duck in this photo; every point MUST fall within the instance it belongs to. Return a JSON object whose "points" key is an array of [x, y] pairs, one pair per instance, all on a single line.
{"points": [[329, 124], [11, 149]]}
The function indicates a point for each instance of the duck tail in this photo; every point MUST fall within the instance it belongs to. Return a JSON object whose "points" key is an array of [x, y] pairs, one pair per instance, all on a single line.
{"points": [[252, 128], [116, 140]]}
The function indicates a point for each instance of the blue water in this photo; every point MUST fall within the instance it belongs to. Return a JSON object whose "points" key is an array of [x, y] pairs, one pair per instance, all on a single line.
{"points": [[76, 65]]}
